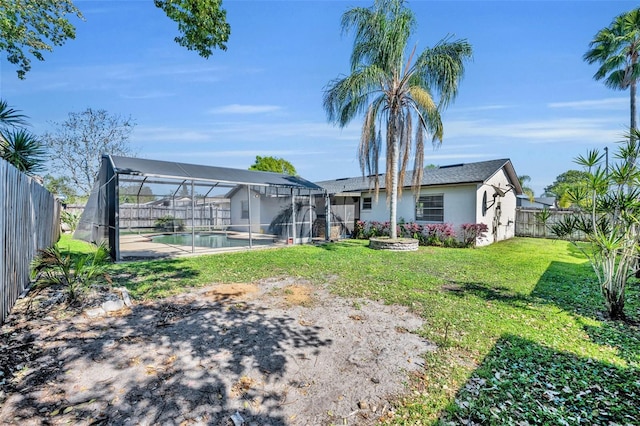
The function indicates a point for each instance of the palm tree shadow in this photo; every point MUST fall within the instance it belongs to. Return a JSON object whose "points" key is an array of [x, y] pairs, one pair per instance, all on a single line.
{"points": [[564, 285], [523, 382], [487, 292], [172, 363]]}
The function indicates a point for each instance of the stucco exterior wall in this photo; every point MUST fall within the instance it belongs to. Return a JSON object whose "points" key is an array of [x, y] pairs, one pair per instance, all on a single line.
{"points": [[499, 216], [237, 222], [459, 205], [462, 204], [264, 209]]}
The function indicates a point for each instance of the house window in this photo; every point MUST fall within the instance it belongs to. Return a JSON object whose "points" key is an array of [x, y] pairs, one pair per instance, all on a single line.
{"points": [[366, 203], [430, 208], [244, 209]]}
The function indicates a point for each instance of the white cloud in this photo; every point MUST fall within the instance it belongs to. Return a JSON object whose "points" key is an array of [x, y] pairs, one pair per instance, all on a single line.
{"points": [[245, 109], [429, 157], [575, 130], [301, 132], [480, 108], [155, 94], [607, 103]]}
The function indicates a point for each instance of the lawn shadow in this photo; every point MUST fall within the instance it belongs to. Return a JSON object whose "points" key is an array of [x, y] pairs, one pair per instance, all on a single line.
{"points": [[523, 382], [487, 292], [169, 363], [152, 278], [340, 245], [572, 289]]}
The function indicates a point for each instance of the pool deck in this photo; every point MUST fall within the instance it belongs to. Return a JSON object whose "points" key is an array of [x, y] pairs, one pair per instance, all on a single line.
{"points": [[136, 246]]}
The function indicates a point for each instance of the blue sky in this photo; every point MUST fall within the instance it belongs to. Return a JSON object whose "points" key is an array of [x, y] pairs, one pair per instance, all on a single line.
{"points": [[527, 95]]}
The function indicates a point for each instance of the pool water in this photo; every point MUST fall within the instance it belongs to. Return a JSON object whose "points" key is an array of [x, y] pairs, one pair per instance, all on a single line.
{"points": [[206, 240]]}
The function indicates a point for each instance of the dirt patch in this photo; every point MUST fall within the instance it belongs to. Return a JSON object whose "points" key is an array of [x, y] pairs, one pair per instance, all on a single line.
{"points": [[223, 292], [278, 352], [298, 295]]}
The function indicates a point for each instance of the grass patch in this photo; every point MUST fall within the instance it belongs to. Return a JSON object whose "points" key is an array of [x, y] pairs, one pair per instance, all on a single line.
{"points": [[519, 326]]}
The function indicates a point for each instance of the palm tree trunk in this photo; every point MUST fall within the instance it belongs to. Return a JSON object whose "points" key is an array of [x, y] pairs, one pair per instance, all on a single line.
{"points": [[395, 156], [632, 94], [394, 193]]}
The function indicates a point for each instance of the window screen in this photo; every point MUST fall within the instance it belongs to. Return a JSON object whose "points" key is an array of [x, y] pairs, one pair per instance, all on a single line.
{"points": [[244, 207], [430, 208], [366, 203]]}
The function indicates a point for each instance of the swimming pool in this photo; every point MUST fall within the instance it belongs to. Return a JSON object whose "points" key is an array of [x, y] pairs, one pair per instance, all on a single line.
{"points": [[207, 240]]}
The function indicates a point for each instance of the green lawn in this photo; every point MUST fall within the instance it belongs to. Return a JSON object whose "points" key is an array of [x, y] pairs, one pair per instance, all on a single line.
{"points": [[519, 326]]}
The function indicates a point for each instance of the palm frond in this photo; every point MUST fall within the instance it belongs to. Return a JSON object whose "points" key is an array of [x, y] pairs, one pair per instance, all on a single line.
{"points": [[10, 116], [347, 97], [442, 67], [22, 149]]}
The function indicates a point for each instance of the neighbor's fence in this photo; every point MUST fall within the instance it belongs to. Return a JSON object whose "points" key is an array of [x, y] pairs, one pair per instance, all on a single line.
{"points": [[204, 216], [29, 221], [529, 225]]}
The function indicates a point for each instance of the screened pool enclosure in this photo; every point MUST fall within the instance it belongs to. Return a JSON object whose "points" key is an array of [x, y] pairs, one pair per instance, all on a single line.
{"points": [[146, 208]]}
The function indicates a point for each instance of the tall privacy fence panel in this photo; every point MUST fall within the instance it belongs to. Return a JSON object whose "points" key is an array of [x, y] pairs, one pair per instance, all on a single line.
{"points": [[529, 223], [203, 216], [29, 221]]}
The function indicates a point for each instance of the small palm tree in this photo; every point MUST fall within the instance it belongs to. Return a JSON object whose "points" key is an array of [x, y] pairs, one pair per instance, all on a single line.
{"points": [[525, 189], [395, 91], [22, 149], [616, 49]]}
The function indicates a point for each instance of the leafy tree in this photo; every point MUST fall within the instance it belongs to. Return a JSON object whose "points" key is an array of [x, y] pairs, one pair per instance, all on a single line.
{"points": [[569, 181], [525, 189], [31, 27], [77, 143], [396, 90], [61, 187], [273, 164], [17, 145], [609, 217], [616, 49], [202, 23], [134, 193]]}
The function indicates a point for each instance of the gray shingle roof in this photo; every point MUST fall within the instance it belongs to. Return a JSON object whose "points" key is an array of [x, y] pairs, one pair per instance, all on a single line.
{"points": [[445, 175]]}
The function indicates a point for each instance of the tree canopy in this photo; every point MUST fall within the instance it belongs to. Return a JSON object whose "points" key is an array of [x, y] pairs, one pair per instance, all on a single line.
{"points": [[29, 28], [76, 145], [569, 181], [616, 49], [526, 190], [399, 91], [273, 164]]}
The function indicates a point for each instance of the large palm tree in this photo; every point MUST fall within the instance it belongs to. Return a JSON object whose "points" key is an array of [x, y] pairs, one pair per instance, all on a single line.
{"points": [[616, 49], [395, 88]]}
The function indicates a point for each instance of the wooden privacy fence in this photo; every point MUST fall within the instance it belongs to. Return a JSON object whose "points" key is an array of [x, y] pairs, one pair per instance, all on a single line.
{"points": [[29, 221], [528, 224], [204, 216]]}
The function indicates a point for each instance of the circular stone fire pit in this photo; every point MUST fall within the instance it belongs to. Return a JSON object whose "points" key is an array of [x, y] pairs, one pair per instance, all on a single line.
{"points": [[399, 244]]}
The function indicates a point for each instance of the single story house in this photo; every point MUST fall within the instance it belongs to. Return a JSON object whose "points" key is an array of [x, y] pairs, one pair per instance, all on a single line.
{"points": [[482, 192]]}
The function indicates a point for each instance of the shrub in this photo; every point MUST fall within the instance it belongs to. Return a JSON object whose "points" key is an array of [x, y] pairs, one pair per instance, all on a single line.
{"points": [[471, 232], [70, 218], [168, 223], [433, 234]]}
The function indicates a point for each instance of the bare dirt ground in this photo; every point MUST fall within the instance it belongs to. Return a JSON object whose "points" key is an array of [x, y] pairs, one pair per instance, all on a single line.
{"points": [[278, 352]]}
